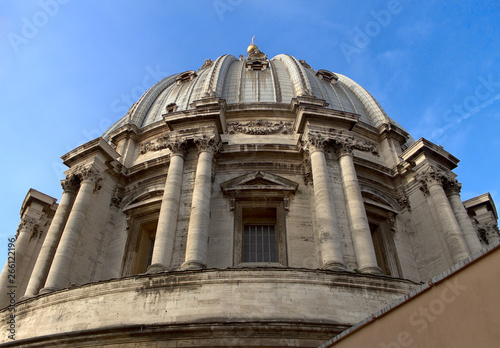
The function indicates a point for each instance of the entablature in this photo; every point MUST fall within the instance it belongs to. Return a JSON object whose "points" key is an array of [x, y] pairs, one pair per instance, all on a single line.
{"points": [[424, 150], [323, 116], [209, 110]]}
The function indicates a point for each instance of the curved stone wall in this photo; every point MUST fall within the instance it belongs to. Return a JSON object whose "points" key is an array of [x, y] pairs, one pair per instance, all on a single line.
{"points": [[210, 307]]}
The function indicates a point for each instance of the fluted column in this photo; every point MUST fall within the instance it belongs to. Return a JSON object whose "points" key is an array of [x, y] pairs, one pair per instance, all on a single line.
{"points": [[453, 188], [167, 221], [197, 241], [27, 227], [358, 221], [329, 235], [432, 182], [59, 271], [48, 250]]}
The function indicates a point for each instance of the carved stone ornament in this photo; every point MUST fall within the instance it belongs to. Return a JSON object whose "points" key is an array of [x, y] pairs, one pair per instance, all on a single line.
{"points": [[491, 232], [260, 127], [207, 63], [28, 224], [304, 64], [451, 185], [88, 173], [70, 183], [207, 143], [306, 164], [345, 144], [178, 146], [403, 200], [118, 195], [155, 145], [433, 176], [315, 142]]}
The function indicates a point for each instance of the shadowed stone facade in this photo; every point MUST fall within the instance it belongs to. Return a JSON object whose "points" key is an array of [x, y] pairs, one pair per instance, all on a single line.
{"points": [[253, 202]]}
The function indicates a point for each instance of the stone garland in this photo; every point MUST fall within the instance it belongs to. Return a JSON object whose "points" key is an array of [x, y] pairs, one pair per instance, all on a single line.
{"points": [[154, 145], [260, 127]]}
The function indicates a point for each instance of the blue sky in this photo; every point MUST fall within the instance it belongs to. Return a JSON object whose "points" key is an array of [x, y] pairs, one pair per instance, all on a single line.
{"points": [[69, 69]]}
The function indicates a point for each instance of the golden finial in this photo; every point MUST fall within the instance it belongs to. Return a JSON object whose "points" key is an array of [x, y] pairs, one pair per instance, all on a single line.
{"points": [[252, 46]]}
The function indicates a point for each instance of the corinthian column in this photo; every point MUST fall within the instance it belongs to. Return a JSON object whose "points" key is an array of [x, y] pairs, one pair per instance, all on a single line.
{"points": [[492, 233], [361, 235], [27, 228], [432, 182], [197, 241], [167, 221], [453, 188], [327, 227], [44, 260], [59, 271]]}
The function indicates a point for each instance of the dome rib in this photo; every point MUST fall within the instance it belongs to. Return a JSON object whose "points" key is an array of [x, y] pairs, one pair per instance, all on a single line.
{"points": [[297, 74], [228, 78], [148, 98], [375, 112]]}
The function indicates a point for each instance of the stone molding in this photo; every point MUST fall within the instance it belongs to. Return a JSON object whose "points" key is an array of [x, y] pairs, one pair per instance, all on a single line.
{"points": [[260, 127]]}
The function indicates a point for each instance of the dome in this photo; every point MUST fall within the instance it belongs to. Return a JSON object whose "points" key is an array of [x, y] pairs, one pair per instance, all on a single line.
{"points": [[256, 79], [251, 202]]}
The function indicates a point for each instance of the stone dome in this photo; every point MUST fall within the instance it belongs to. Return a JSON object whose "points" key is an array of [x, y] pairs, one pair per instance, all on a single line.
{"points": [[255, 79], [252, 202]]}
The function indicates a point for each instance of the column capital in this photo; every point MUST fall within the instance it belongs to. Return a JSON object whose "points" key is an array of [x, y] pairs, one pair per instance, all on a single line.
{"points": [[88, 173], [177, 147], [491, 232], [451, 185], [70, 183], [315, 142], [430, 177], [27, 224], [344, 145], [207, 143]]}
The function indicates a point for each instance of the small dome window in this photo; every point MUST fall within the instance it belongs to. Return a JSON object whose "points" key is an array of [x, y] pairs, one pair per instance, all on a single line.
{"points": [[172, 107], [327, 75], [186, 76]]}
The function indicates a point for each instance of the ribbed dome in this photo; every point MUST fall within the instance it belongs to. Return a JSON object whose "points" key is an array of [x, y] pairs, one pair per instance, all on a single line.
{"points": [[246, 81]]}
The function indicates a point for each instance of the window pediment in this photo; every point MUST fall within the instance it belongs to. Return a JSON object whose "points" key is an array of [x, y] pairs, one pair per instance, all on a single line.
{"points": [[261, 183]]}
